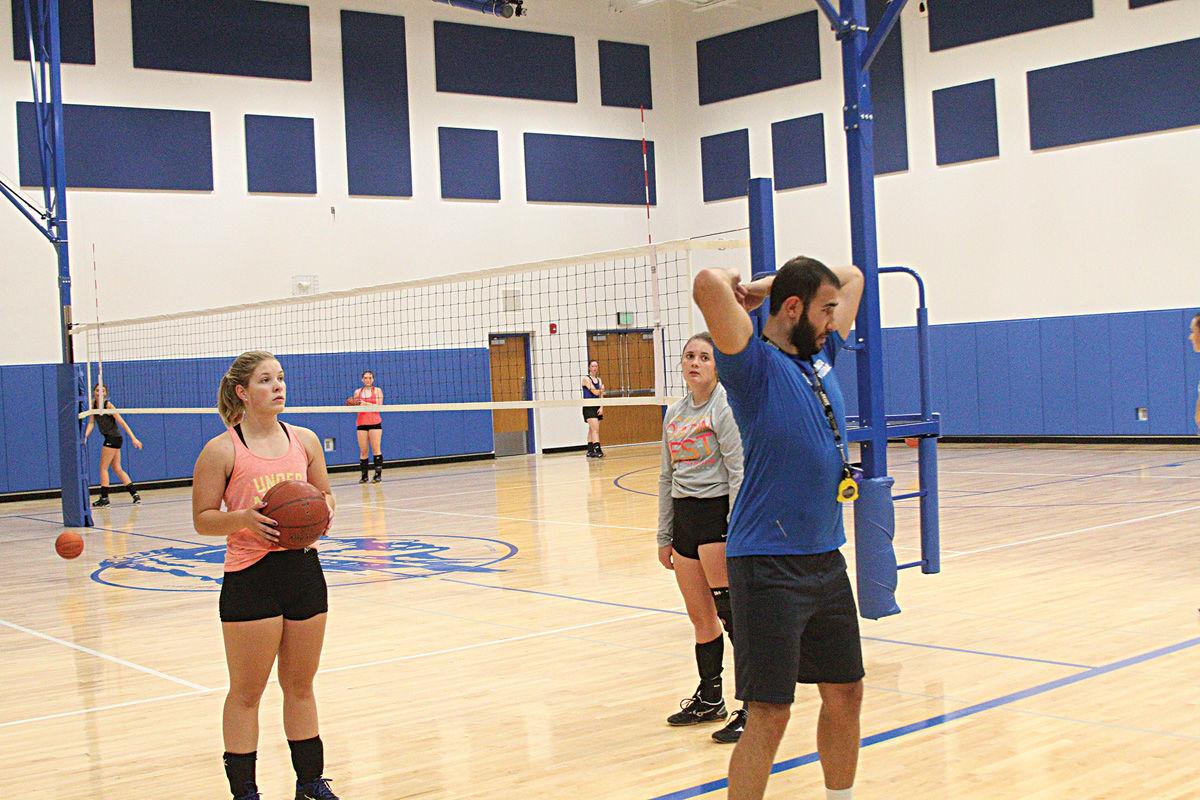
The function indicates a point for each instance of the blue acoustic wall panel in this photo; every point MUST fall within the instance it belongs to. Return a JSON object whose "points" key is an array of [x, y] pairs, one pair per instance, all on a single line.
{"points": [[1172, 395], [964, 122], [994, 378], [503, 62], [1058, 376], [1093, 376], [887, 97], [957, 22], [223, 37], [1153, 89], [281, 155], [725, 164], [625, 75], [110, 147], [1129, 390], [1024, 393], [375, 91], [50, 399], [962, 378], [798, 151], [586, 169], [25, 443], [781, 53], [77, 38], [470, 163], [901, 373]]}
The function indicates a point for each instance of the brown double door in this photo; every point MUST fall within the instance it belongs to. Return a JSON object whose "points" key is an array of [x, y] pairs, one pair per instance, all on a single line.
{"points": [[627, 369], [509, 357]]}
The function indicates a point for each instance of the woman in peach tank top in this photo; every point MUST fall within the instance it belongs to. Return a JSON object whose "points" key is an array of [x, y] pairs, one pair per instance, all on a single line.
{"points": [[273, 601], [369, 425]]}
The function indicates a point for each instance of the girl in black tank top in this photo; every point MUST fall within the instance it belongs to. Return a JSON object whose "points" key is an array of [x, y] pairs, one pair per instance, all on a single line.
{"points": [[110, 453]]}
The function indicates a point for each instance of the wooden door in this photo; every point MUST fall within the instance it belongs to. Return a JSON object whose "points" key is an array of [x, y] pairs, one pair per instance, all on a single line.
{"points": [[509, 368], [627, 369]]}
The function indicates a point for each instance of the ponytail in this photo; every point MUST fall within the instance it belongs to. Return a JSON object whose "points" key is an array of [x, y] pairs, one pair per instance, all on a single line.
{"points": [[229, 405]]}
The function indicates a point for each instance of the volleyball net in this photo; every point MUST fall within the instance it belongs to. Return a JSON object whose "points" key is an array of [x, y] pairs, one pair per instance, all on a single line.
{"points": [[431, 343]]}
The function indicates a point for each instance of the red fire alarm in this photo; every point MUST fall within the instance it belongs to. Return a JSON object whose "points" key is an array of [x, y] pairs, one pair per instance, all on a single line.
{"points": [[553, 328]]}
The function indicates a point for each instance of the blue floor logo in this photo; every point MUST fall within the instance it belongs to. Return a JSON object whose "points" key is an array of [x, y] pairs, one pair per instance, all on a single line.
{"points": [[345, 560]]}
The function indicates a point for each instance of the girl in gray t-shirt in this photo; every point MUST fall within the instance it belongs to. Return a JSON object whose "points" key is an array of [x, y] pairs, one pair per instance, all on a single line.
{"points": [[700, 475]]}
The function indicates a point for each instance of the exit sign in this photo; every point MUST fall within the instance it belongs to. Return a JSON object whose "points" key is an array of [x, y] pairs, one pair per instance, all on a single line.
{"points": [[624, 317]]}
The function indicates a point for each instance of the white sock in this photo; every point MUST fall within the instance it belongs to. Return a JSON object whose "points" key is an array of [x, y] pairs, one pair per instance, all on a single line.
{"points": [[839, 794]]}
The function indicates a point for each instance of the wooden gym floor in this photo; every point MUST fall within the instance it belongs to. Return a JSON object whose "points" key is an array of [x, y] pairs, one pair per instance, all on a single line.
{"points": [[503, 630]]}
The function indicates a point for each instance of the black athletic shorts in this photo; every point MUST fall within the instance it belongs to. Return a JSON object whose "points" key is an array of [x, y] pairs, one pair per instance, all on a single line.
{"points": [[287, 583], [378, 426], [592, 412], [794, 621], [697, 521], [114, 442]]}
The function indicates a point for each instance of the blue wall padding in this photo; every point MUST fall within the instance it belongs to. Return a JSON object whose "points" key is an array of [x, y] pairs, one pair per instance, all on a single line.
{"points": [[110, 147], [172, 441], [470, 163], [281, 155], [781, 53], [887, 97], [725, 164], [1152, 89], [798, 151], [504, 62], [586, 169], [625, 75], [874, 554], [964, 122], [958, 22], [223, 37], [77, 38], [375, 92]]}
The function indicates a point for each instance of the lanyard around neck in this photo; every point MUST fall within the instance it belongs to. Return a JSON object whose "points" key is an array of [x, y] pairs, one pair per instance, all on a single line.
{"points": [[819, 388]]}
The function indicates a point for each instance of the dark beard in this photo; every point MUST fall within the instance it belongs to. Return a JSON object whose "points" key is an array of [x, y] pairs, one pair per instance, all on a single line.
{"points": [[804, 338]]}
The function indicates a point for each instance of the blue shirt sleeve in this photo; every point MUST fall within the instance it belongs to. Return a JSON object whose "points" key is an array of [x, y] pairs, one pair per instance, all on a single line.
{"points": [[742, 374], [834, 342]]}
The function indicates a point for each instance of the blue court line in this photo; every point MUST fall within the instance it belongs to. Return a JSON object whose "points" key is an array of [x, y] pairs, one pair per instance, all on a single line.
{"points": [[979, 653], [617, 482], [941, 719], [684, 613], [1077, 478], [566, 597]]}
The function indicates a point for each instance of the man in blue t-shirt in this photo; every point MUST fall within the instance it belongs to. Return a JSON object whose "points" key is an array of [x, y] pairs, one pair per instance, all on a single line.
{"points": [[794, 617]]}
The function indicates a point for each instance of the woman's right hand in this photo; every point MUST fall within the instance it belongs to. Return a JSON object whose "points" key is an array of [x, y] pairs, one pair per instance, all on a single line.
{"points": [[261, 526], [664, 557]]}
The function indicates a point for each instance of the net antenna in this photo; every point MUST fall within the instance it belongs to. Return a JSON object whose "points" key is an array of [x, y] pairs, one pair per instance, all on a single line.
{"points": [[99, 354], [660, 375]]}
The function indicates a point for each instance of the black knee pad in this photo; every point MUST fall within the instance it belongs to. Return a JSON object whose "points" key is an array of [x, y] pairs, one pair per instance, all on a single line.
{"points": [[724, 608]]}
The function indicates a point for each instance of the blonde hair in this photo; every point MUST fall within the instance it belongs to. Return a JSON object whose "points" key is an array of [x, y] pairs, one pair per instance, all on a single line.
{"points": [[229, 405]]}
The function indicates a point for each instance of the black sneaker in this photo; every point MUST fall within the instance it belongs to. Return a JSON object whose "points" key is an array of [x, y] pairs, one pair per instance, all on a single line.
{"points": [[251, 792], [694, 710], [733, 730], [599, 452], [363, 479], [137, 499], [317, 790], [102, 502], [378, 478]]}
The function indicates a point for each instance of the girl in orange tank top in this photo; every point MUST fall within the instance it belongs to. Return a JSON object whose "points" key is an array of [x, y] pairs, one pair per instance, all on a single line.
{"points": [[272, 600], [369, 425]]}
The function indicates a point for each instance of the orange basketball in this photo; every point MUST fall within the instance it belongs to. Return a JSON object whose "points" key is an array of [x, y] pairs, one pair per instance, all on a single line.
{"points": [[353, 401], [911, 442], [299, 511], [69, 544]]}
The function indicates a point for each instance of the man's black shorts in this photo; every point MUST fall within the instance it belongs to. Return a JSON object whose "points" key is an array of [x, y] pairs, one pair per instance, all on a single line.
{"points": [[696, 521], [283, 583], [794, 621]]}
